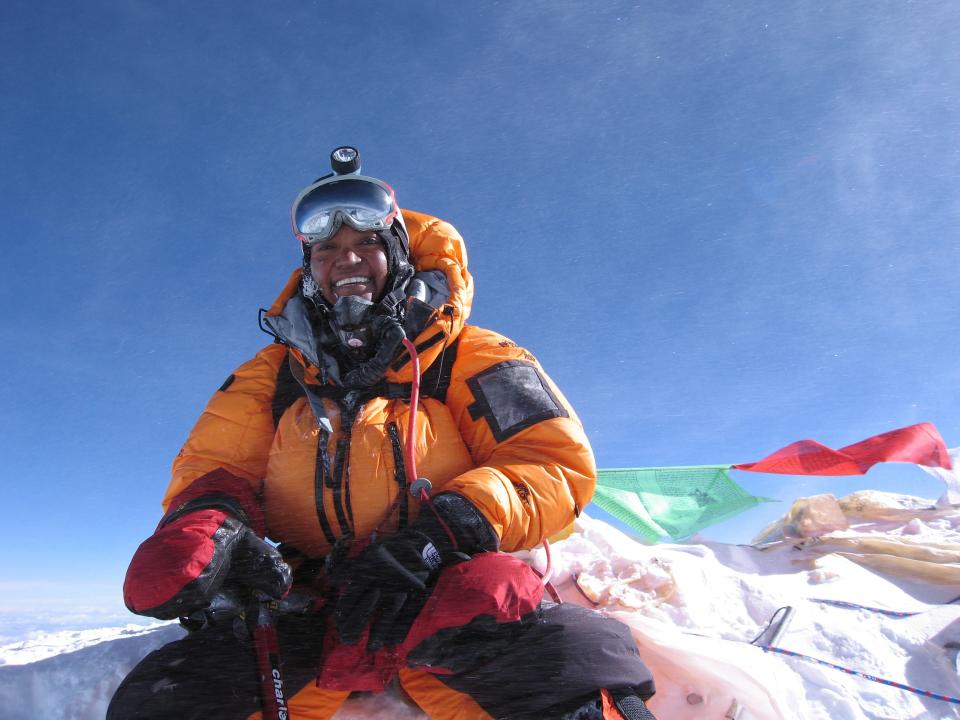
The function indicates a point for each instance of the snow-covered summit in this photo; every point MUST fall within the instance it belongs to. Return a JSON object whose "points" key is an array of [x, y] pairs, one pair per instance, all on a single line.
{"points": [[693, 608]]}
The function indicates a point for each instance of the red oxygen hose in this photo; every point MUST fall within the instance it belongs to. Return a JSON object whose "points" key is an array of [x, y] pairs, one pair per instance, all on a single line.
{"points": [[548, 570], [409, 456], [409, 459]]}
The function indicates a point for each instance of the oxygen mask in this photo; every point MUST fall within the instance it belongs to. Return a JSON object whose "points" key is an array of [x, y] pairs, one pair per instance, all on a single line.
{"points": [[352, 320]]}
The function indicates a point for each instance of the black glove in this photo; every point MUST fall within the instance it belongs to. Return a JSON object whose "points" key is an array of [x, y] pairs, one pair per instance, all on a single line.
{"points": [[258, 565], [389, 582]]}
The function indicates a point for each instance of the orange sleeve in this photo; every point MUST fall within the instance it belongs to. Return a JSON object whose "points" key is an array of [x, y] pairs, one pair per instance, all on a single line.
{"points": [[535, 469], [236, 429]]}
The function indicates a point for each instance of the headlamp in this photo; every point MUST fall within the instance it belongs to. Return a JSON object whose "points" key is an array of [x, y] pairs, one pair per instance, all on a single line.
{"points": [[345, 160]]}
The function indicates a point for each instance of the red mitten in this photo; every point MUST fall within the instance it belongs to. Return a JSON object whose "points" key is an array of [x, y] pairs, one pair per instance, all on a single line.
{"points": [[184, 564], [202, 542]]}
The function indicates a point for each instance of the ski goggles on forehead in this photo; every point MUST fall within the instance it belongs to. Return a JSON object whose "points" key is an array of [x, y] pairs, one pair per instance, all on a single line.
{"points": [[364, 203]]}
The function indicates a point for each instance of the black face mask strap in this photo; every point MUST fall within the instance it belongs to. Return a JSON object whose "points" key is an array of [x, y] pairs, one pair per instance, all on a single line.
{"points": [[392, 303]]}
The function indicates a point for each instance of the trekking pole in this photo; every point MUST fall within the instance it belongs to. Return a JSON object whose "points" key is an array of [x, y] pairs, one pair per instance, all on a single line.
{"points": [[272, 695]]}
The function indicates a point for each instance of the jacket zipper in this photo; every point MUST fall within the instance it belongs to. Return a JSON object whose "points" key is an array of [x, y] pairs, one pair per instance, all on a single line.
{"points": [[321, 472], [339, 483], [400, 472], [336, 483]]}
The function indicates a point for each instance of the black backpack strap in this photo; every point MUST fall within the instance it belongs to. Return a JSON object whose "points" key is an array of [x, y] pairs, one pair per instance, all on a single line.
{"points": [[435, 381], [286, 393]]}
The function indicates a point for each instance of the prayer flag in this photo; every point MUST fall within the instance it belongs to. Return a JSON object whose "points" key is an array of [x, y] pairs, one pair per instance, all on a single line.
{"points": [[671, 502], [919, 444]]}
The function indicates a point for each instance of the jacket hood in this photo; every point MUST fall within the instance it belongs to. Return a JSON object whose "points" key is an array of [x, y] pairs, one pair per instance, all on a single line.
{"points": [[438, 254]]}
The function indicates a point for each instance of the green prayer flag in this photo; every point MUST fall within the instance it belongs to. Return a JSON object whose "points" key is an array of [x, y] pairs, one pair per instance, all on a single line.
{"points": [[672, 502]]}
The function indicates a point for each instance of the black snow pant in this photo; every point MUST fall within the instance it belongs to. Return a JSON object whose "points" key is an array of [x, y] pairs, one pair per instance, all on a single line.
{"points": [[543, 667]]}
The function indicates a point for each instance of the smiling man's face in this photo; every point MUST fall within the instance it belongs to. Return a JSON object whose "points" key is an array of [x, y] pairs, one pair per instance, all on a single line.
{"points": [[350, 263]]}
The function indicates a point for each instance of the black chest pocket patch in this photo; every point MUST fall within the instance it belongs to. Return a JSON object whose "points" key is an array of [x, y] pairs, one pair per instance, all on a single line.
{"points": [[511, 396]]}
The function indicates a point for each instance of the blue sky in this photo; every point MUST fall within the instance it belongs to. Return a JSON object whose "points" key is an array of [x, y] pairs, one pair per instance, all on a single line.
{"points": [[722, 227]]}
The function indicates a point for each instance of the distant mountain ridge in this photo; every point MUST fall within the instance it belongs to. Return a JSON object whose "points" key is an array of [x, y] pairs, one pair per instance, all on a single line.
{"points": [[75, 684]]}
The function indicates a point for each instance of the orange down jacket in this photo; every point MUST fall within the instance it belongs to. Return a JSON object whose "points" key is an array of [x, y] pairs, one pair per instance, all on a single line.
{"points": [[504, 436]]}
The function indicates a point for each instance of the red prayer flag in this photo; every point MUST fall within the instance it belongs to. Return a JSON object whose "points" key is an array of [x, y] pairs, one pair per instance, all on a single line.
{"points": [[918, 444]]}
